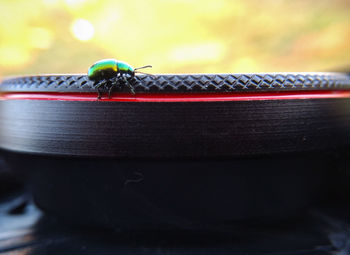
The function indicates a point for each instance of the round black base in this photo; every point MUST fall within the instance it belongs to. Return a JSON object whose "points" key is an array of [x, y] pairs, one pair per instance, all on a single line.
{"points": [[175, 194]]}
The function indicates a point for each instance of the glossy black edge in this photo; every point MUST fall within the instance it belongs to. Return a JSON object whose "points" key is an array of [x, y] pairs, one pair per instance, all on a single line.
{"points": [[185, 82], [174, 130]]}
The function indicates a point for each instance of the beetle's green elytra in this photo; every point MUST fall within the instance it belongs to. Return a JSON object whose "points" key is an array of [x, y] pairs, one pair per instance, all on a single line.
{"points": [[102, 72], [103, 68], [125, 67]]}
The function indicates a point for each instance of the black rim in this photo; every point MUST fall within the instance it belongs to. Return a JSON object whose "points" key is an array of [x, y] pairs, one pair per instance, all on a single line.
{"points": [[186, 83]]}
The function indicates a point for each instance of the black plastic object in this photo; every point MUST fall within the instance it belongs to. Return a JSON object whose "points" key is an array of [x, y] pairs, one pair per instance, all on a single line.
{"points": [[177, 165]]}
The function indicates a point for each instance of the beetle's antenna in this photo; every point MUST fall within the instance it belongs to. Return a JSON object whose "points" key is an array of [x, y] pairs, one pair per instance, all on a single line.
{"points": [[141, 72], [143, 67], [145, 73]]}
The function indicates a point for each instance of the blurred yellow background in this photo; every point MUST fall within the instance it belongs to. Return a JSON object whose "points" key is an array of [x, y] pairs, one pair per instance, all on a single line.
{"points": [[182, 36]]}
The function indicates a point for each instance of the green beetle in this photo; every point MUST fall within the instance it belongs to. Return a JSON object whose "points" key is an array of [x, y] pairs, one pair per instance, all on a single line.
{"points": [[105, 71]]}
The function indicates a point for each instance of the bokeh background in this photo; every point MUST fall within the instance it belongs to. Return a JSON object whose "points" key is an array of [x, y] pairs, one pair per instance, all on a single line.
{"points": [[182, 36]]}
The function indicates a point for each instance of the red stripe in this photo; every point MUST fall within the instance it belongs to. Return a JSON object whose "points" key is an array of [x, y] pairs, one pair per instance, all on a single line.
{"points": [[193, 97]]}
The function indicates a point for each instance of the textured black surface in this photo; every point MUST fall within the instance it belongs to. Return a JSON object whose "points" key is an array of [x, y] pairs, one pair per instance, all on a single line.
{"points": [[187, 83], [170, 130]]}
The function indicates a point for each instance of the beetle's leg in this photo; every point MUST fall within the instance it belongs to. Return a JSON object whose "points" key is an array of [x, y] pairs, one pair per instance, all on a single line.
{"points": [[111, 87], [98, 86], [129, 85], [110, 92]]}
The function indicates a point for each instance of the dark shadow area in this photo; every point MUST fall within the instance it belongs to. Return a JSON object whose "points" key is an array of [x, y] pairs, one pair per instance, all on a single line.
{"points": [[321, 228]]}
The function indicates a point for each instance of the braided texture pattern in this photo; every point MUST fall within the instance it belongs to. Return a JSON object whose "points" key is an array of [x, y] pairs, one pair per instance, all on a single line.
{"points": [[185, 83]]}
